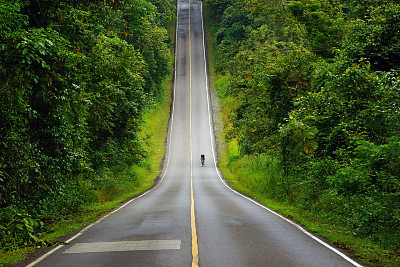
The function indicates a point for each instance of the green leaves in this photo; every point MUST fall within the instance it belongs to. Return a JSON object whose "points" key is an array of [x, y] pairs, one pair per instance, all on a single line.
{"points": [[145, 33], [323, 26], [117, 100], [75, 79], [18, 228], [11, 20], [301, 135], [374, 35], [265, 79], [317, 86]]}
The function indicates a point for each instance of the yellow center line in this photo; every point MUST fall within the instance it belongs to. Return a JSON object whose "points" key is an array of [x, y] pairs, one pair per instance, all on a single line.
{"points": [[195, 248]]}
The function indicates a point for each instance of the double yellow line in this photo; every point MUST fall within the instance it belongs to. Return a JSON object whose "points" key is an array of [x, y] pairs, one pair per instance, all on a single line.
{"points": [[195, 247]]}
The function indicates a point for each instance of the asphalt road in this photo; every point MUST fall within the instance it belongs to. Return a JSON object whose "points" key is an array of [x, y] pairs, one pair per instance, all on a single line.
{"points": [[192, 217]]}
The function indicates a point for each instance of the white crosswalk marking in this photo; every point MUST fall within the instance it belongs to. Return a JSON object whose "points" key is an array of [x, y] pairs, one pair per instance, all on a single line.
{"points": [[124, 246]]}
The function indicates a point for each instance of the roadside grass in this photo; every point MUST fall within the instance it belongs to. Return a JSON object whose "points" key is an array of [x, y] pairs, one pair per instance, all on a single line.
{"points": [[241, 177], [11, 257], [242, 173]]}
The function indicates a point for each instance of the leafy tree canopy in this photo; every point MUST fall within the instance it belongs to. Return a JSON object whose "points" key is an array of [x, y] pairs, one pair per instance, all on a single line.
{"points": [[315, 86], [75, 79]]}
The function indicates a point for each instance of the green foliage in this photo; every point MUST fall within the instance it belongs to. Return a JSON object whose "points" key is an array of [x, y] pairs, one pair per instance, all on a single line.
{"points": [[264, 83], [322, 25], [301, 135], [75, 79], [381, 162], [43, 138], [165, 12], [143, 31], [18, 228], [316, 92], [116, 102], [374, 35], [11, 20]]}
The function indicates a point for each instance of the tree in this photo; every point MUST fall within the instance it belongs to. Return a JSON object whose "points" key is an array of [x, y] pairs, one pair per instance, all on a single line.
{"points": [[267, 77], [75, 79], [374, 35]]}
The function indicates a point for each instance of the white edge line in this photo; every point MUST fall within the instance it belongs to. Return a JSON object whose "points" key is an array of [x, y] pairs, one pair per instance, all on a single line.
{"points": [[344, 256], [147, 192]]}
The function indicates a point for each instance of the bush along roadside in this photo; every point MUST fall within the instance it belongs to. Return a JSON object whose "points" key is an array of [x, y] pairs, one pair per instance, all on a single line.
{"points": [[22, 233], [79, 83], [311, 115]]}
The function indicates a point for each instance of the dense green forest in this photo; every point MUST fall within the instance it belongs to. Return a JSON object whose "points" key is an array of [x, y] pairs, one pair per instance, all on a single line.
{"points": [[76, 77], [314, 89]]}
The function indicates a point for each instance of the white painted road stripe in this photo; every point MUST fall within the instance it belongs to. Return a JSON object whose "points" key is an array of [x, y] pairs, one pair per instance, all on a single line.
{"points": [[124, 246]]}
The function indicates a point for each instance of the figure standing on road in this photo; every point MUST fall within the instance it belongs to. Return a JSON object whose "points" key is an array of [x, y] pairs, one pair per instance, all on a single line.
{"points": [[202, 159]]}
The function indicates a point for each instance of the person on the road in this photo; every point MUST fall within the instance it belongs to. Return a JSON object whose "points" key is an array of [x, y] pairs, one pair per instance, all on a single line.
{"points": [[202, 159]]}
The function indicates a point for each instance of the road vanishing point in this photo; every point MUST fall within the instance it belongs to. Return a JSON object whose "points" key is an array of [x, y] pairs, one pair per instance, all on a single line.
{"points": [[192, 217]]}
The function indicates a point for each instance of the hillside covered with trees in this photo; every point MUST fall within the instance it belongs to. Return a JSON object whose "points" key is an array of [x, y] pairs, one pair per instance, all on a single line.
{"points": [[76, 77], [314, 90]]}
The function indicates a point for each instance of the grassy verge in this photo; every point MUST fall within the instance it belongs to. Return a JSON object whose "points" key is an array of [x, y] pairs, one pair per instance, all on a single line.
{"points": [[364, 250], [234, 169]]}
